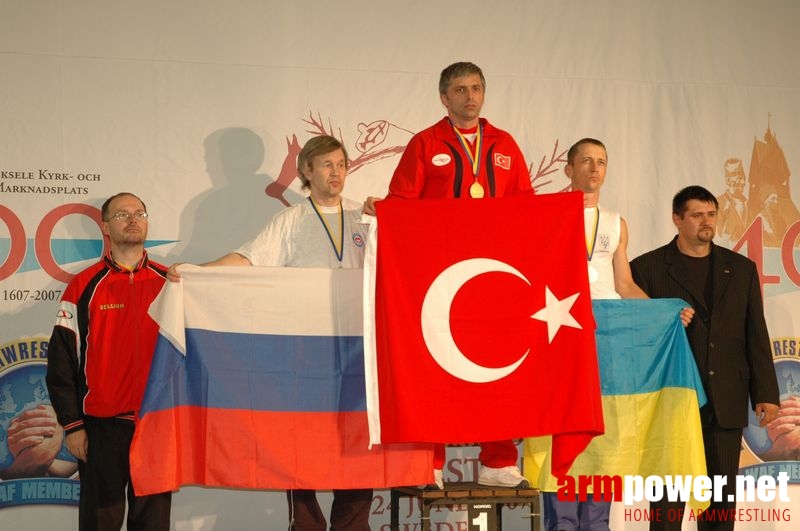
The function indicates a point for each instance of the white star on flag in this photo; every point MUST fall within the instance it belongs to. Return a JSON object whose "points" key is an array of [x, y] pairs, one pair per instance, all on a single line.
{"points": [[556, 313]]}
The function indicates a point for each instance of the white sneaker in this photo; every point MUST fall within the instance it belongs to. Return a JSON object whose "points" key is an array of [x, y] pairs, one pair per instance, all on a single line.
{"points": [[437, 478], [438, 482], [508, 476]]}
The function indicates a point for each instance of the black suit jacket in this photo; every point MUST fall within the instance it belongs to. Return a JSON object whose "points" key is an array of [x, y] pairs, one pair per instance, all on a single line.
{"points": [[730, 341]]}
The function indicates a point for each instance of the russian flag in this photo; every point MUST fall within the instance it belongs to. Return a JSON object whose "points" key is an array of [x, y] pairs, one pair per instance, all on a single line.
{"points": [[258, 382], [651, 393]]}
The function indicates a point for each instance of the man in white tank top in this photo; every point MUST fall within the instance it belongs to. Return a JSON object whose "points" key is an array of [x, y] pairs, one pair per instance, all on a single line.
{"points": [[606, 231], [609, 278]]}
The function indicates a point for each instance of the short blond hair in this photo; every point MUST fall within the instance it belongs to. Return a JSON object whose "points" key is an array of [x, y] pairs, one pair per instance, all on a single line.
{"points": [[319, 145]]}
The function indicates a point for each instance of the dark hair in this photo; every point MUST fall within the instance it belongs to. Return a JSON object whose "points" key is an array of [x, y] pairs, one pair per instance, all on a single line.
{"points": [[104, 209], [576, 146], [691, 192], [459, 70], [319, 145]]}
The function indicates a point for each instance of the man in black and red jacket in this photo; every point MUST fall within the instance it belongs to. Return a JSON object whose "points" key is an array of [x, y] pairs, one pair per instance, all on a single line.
{"points": [[98, 362]]}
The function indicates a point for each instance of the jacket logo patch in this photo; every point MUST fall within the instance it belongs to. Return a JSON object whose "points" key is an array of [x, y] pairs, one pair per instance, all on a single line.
{"points": [[441, 159], [502, 161]]}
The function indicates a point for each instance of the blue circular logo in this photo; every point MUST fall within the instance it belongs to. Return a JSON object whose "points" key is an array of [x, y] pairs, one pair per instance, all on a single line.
{"points": [[779, 440], [21, 389]]}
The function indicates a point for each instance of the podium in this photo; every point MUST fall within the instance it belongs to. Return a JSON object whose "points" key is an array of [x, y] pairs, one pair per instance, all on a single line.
{"points": [[484, 504]]}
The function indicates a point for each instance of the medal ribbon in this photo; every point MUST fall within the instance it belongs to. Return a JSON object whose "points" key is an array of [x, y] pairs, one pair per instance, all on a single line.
{"points": [[475, 158], [338, 251], [590, 248]]}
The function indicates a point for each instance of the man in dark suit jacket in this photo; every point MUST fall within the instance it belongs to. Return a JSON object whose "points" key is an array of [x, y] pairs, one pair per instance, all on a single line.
{"points": [[728, 336]]}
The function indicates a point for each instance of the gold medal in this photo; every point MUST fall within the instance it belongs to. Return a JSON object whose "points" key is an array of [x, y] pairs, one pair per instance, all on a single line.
{"points": [[476, 190], [474, 155]]}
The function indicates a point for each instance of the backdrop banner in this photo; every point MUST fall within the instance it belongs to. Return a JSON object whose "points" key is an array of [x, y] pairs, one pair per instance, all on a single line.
{"points": [[201, 108]]}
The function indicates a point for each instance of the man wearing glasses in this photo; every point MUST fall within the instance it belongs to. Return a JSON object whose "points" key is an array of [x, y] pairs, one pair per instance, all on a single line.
{"points": [[98, 361]]}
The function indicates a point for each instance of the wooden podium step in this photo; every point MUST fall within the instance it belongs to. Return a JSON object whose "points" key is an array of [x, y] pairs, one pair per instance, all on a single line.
{"points": [[484, 504]]}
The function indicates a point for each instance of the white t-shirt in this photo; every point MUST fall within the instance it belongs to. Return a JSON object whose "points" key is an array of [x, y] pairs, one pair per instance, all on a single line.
{"points": [[296, 237]]}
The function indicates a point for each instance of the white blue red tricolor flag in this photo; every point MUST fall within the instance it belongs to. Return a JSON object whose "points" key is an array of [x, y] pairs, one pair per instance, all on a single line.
{"points": [[482, 325], [258, 382]]}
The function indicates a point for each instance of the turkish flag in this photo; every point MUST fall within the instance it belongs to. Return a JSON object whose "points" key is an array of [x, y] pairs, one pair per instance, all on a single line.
{"points": [[503, 161], [483, 324]]}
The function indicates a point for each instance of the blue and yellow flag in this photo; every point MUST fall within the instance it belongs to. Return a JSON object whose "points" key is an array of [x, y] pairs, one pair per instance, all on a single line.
{"points": [[651, 393]]}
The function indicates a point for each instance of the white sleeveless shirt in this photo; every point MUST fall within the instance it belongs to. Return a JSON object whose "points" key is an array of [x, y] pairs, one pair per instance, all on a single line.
{"points": [[606, 242]]}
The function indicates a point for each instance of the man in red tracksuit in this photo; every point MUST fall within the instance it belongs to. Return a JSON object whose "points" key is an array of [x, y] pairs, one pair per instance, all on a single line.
{"points": [[98, 361], [464, 156]]}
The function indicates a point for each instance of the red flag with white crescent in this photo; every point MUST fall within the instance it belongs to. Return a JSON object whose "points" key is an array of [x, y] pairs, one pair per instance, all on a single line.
{"points": [[483, 326]]}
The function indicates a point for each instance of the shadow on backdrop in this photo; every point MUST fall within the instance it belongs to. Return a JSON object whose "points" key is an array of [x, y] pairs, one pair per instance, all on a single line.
{"points": [[236, 208]]}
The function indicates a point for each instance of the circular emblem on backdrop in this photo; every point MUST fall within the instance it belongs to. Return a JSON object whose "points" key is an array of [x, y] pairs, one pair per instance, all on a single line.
{"points": [[23, 388], [358, 239], [442, 159], [43, 469], [780, 439]]}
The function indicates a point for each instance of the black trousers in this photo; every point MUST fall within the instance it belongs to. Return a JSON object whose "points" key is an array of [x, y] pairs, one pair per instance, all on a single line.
{"points": [[349, 512], [722, 449], [106, 483]]}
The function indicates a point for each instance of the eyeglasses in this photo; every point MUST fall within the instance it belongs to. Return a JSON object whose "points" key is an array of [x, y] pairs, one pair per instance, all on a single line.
{"points": [[126, 216]]}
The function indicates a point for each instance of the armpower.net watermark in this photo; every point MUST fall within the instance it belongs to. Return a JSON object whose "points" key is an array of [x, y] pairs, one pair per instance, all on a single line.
{"points": [[636, 489]]}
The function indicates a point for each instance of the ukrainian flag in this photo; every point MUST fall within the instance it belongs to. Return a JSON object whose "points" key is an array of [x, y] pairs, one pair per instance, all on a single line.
{"points": [[651, 394]]}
